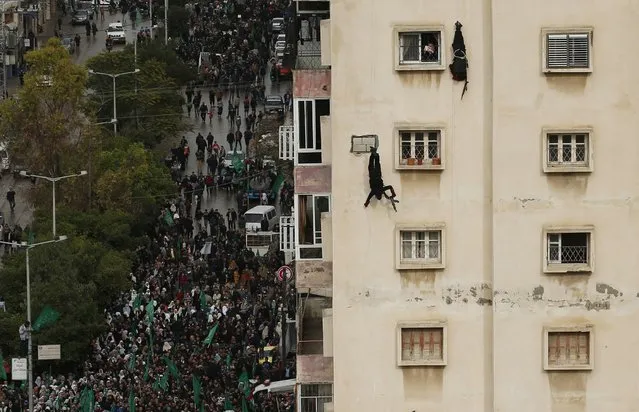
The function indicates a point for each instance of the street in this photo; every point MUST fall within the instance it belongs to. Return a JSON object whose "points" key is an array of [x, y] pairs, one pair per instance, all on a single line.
{"points": [[219, 127]]}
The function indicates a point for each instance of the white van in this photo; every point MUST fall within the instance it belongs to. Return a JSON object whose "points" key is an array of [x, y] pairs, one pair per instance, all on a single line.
{"points": [[253, 218]]}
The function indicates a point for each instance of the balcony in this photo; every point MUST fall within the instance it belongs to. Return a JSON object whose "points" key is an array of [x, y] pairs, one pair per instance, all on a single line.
{"points": [[306, 35], [315, 339]]}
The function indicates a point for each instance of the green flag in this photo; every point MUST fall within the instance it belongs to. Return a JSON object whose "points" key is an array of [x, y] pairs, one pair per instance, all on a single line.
{"points": [[244, 406], [244, 383], [132, 362], [132, 402], [277, 184], [3, 374], [197, 391], [164, 382], [209, 338], [228, 359], [47, 317], [150, 312], [87, 400], [168, 219], [136, 302], [171, 368], [203, 304], [31, 238], [228, 406], [237, 163]]}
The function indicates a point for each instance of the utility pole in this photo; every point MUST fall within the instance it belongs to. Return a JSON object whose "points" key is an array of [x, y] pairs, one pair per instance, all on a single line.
{"points": [[4, 52], [166, 22]]}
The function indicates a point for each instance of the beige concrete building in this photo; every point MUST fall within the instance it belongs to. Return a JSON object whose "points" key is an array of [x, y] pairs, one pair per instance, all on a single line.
{"points": [[506, 281]]}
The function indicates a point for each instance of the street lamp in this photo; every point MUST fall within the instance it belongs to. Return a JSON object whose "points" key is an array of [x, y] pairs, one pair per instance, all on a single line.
{"points": [[27, 248], [115, 107], [53, 180]]}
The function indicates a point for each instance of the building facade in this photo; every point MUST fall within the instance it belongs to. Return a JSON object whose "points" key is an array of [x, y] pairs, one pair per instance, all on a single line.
{"points": [[500, 283]]}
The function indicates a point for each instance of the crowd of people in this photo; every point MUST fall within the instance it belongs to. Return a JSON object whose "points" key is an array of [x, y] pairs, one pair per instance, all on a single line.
{"points": [[203, 322]]}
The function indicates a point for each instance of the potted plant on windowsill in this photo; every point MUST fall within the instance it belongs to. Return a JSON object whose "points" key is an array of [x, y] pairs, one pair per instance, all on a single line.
{"points": [[436, 161], [420, 159], [411, 161]]}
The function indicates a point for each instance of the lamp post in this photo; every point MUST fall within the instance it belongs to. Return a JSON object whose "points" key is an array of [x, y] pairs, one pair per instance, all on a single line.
{"points": [[27, 248], [115, 107], [53, 180], [166, 22]]}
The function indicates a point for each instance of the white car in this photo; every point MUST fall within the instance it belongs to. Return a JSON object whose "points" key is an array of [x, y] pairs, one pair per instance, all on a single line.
{"points": [[117, 33]]}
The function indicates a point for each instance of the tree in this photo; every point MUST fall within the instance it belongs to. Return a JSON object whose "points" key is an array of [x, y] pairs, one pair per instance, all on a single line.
{"points": [[149, 103], [48, 117]]}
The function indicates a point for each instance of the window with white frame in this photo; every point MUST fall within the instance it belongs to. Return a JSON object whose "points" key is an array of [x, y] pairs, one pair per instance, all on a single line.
{"points": [[419, 148], [314, 396], [568, 349], [420, 247], [309, 224], [306, 115], [422, 344], [568, 251], [567, 50], [419, 47], [567, 151]]}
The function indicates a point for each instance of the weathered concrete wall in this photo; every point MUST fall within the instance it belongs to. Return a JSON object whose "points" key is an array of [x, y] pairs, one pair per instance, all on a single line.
{"points": [[312, 179], [310, 84], [314, 274], [314, 369]]}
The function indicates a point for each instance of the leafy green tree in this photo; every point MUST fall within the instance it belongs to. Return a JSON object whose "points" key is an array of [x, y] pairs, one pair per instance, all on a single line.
{"points": [[149, 103], [48, 117]]}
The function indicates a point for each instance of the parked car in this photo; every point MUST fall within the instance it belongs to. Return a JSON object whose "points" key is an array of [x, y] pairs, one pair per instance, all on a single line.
{"points": [[69, 44], [274, 103], [80, 17], [280, 46], [277, 24], [117, 33], [89, 6], [228, 159]]}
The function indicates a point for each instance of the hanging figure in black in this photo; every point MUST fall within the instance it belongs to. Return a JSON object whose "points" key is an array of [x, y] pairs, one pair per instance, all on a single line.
{"points": [[376, 183], [459, 66]]}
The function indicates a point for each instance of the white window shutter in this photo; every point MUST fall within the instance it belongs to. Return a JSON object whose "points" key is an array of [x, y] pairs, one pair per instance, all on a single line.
{"points": [[579, 47], [557, 51]]}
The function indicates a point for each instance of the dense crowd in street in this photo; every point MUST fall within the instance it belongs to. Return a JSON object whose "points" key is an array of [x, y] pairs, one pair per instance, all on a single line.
{"points": [[202, 323]]}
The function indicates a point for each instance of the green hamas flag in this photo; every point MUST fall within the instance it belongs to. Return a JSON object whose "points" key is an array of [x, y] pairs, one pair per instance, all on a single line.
{"points": [[132, 402], [149, 312], [244, 406], [132, 362], [228, 406], [171, 368], [3, 374], [209, 338], [203, 305], [228, 359], [168, 219], [47, 317], [237, 162], [197, 391], [87, 400], [244, 383]]}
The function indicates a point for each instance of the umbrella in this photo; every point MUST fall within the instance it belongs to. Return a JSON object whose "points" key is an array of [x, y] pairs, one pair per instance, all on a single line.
{"points": [[459, 66]]}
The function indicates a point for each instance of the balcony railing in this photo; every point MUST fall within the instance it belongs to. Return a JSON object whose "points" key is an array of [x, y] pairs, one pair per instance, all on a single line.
{"points": [[287, 142], [287, 233], [309, 55]]}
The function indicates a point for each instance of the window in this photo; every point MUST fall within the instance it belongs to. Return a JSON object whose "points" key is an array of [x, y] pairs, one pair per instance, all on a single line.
{"points": [[363, 144], [306, 117], [569, 250], [309, 224], [567, 151], [419, 48], [420, 248], [567, 50], [419, 148], [314, 396], [568, 348], [422, 344]]}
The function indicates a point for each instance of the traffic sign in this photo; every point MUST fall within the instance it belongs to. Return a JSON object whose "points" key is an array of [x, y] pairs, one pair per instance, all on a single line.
{"points": [[284, 272]]}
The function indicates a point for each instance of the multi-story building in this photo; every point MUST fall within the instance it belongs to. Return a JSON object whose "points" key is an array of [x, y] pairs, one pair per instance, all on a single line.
{"points": [[500, 284]]}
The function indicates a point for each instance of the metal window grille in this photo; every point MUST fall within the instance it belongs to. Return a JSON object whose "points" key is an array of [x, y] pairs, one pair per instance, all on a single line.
{"points": [[421, 245], [422, 344], [570, 248], [314, 396], [419, 47], [568, 51], [421, 145], [569, 149], [568, 348]]}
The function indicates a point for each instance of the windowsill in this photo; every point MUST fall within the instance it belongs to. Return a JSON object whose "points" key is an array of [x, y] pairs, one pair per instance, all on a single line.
{"points": [[436, 363], [567, 168], [435, 66], [588, 367], [558, 268], [422, 167], [568, 70], [420, 265]]}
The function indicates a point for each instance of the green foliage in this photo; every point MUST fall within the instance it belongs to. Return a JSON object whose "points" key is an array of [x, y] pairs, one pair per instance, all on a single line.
{"points": [[149, 103], [46, 119]]}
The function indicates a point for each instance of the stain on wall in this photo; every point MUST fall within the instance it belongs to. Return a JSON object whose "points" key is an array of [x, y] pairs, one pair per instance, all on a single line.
{"points": [[422, 383], [568, 391]]}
